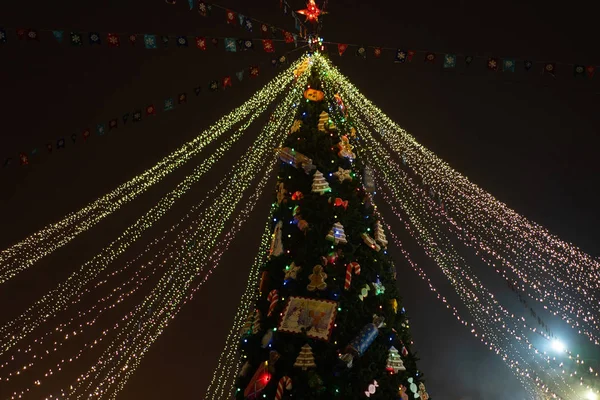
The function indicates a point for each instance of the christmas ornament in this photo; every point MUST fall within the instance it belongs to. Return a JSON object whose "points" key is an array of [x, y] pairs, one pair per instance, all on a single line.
{"points": [[267, 339], [323, 121], [296, 126], [314, 95], [261, 377], [371, 389], [320, 185], [350, 268], [369, 241], [362, 341], [285, 383], [311, 11], [281, 193], [380, 235], [379, 288], [364, 292], [247, 327], [343, 174], [272, 298], [413, 387], [302, 68], [394, 304], [340, 103], [337, 202], [337, 234], [317, 279], [402, 393], [394, 362], [346, 148], [256, 327], [305, 359], [295, 159], [263, 281], [331, 258], [245, 369], [369, 180], [291, 272], [276, 243], [297, 196], [422, 392], [353, 133], [307, 316]]}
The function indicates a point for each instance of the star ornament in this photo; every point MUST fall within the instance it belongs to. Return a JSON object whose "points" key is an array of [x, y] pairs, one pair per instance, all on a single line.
{"points": [[292, 271], [312, 11], [343, 174]]}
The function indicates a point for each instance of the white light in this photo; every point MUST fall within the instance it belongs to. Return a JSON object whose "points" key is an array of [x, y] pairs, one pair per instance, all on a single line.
{"points": [[591, 395], [559, 346]]}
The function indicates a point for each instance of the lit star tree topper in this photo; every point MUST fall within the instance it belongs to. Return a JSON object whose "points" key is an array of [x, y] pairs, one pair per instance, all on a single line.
{"points": [[312, 11]]}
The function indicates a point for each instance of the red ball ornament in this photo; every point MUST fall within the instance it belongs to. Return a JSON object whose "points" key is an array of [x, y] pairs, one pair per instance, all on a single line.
{"points": [[312, 11]]}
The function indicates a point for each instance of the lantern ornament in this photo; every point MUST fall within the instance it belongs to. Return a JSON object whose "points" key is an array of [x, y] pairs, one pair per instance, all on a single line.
{"points": [[314, 95], [312, 11]]}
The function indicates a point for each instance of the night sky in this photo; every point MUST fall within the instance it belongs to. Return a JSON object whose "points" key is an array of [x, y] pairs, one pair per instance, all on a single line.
{"points": [[528, 139]]}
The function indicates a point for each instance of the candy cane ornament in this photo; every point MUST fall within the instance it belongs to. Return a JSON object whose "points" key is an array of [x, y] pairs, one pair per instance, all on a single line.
{"points": [[351, 267], [284, 383], [273, 298]]}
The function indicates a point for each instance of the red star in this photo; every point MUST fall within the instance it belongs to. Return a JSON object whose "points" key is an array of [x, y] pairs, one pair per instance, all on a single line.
{"points": [[311, 11]]}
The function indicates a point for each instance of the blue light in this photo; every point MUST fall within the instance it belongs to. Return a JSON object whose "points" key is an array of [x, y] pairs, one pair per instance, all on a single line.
{"points": [[274, 219]]}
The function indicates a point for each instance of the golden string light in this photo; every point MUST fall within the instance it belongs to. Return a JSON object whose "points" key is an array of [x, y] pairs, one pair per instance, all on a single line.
{"points": [[559, 275], [371, 147], [25, 253], [163, 310], [58, 298]]}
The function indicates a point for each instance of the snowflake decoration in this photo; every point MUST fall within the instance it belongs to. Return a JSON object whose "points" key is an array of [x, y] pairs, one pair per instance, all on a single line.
{"points": [[291, 272], [202, 7], [214, 86], [76, 38], [94, 37], [113, 40], [230, 16], [377, 52], [132, 38], [248, 24], [169, 103], [150, 110], [343, 174], [181, 40], [282, 59], [401, 55], [549, 67], [32, 35], [248, 44], [150, 41], [579, 69], [264, 28], [2, 35], [137, 115], [430, 57], [492, 64], [449, 59], [230, 45], [268, 46], [100, 130], [361, 51]]}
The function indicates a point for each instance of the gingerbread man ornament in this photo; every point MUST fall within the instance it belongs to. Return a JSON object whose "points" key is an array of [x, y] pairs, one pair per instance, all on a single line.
{"points": [[317, 279]]}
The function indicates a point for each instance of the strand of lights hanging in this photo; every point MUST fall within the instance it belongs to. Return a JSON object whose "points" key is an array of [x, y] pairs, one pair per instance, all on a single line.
{"points": [[504, 343], [228, 365], [57, 299], [518, 335], [130, 353], [25, 253], [437, 255], [428, 166], [61, 334]]}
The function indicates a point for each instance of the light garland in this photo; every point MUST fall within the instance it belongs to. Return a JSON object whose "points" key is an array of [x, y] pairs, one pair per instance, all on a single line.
{"points": [[558, 273], [25, 253], [435, 210], [264, 148]]}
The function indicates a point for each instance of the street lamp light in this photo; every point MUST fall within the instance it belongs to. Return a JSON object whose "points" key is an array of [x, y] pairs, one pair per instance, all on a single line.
{"points": [[558, 346], [591, 395]]}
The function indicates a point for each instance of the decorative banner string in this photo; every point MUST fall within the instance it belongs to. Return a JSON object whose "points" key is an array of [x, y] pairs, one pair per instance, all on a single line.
{"points": [[449, 61], [235, 18], [150, 110]]}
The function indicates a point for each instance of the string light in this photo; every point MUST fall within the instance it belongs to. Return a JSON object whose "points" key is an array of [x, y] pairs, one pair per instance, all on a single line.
{"points": [[25, 253]]}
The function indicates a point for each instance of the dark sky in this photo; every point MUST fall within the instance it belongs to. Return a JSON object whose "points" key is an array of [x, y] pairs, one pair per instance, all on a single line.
{"points": [[528, 139]]}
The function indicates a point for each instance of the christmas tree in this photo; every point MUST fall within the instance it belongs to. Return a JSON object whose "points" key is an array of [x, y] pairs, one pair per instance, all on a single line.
{"points": [[394, 361], [321, 330]]}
